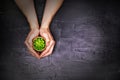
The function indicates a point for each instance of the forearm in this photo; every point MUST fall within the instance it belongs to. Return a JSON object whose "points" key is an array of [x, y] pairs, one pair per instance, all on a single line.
{"points": [[51, 8], [28, 9]]}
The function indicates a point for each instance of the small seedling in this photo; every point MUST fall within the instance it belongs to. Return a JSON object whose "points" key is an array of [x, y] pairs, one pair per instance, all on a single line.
{"points": [[39, 44]]}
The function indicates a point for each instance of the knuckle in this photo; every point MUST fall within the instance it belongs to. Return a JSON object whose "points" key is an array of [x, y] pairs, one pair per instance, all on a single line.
{"points": [[29, 42]]}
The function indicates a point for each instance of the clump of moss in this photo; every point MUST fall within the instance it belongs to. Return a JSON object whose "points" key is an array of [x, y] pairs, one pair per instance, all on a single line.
{"points": [[39, 44]]}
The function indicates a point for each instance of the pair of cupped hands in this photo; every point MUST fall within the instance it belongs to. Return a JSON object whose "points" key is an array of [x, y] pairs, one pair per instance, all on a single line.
{"points": [[46, 34]]}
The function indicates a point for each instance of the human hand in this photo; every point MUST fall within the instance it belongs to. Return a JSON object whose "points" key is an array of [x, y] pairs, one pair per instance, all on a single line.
{"points": [[50, 43], [32, 34]]}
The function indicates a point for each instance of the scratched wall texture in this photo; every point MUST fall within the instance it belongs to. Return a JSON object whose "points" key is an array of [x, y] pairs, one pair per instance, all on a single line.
{"points": [[87, 43]]}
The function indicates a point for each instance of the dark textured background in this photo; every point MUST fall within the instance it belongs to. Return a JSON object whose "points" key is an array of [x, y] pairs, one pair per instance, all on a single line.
{"points": [[87, 42]]}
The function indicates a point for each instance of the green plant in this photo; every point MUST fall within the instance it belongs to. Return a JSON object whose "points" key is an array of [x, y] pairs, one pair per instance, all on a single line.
{"points": [[39, 44]]}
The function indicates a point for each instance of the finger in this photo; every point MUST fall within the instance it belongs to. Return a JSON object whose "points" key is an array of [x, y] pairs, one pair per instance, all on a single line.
{"points": [[47, 49], [32, 35], [49, 52], [46, 35], [31, 38], [47, 39], [32, 51]]}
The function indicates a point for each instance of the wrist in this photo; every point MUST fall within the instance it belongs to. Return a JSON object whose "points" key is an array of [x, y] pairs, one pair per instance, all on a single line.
{"points": [[33, 23], [46, 23], [44, 26], [34, 26]]}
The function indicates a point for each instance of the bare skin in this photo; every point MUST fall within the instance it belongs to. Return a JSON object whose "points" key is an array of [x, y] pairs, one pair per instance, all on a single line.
{"points": [[28, 9]]}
